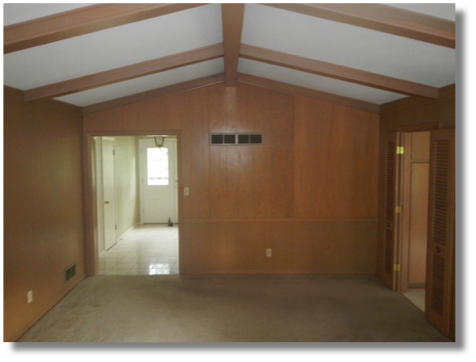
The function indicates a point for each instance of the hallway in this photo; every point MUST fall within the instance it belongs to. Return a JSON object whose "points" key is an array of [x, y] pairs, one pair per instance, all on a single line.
{"points": [[149, 249]]}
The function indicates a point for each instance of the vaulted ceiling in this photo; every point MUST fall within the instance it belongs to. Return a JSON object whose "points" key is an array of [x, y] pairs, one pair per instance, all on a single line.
{"points": [[98, 56]]}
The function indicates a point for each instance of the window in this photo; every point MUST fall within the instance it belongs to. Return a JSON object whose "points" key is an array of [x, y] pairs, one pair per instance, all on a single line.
{"points": [[157, 166]]}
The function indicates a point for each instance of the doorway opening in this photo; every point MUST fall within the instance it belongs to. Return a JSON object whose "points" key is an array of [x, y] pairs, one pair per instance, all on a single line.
{"points": [[135, 187], [414, 233], [417, 222]]}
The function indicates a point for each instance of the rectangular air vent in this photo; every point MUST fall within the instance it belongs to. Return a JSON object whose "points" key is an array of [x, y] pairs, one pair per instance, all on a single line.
{"points": [[70, 272], [236, 139]]}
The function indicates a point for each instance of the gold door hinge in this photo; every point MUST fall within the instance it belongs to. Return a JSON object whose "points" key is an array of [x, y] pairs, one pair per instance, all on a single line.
{"points": [[398, 209], [400, 150], [397, 267]]}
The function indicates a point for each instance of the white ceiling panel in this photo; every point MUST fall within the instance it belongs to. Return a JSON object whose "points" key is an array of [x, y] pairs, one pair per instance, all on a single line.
{"points": [[114, 47], [265, 27], [144, 84], [15, 13], [316, 82], [348, 45]]}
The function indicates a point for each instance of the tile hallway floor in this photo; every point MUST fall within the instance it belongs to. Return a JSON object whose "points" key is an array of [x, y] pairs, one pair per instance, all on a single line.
{"points": [[149, 249]]}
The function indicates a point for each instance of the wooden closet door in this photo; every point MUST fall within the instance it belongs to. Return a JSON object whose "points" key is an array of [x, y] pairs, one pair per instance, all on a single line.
{"points": [[441, 236], [392, 220]]}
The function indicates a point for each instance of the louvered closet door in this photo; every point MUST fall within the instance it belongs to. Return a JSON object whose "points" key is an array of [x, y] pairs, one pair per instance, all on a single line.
{"points": [[441, 237], [392, 174]]}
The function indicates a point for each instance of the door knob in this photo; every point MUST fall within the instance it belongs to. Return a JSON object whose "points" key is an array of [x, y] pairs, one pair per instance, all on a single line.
{"points": [[106, 202]]}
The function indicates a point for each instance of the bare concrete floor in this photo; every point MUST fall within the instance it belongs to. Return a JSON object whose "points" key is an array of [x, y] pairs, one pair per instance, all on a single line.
{"points": [[258, 308]]}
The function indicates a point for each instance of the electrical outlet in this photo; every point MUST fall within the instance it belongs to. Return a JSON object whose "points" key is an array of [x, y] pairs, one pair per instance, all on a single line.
{"points": [[268, 253], [186, 191], [29, 296]]}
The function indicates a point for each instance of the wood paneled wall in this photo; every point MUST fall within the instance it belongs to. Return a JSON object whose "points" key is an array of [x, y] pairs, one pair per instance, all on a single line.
{"points": [[309, 192], [416, 176], [126, 171], [43, 207]]}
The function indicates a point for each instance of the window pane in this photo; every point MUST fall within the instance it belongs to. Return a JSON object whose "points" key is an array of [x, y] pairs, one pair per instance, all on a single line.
{"points": [[157, 166]]}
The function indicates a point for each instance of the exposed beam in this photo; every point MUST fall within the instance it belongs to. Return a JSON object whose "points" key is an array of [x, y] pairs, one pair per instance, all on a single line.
{"points": [[338, 72], [176, 88], [46, 104], [447, 94], [296, 90], [232, 18], [81, 21], [125, 73], [383, 18]]}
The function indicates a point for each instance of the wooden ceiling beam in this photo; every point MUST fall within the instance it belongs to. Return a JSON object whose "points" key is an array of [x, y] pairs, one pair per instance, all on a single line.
{"points": [[81, 21], [125, 73], [160, 92], [232, 18], [338, 72], [382, 18], [296, 90]]}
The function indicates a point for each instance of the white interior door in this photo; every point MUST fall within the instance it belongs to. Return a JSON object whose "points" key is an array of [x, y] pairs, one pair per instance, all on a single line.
{"points": [[158, 181], [108, 192]]}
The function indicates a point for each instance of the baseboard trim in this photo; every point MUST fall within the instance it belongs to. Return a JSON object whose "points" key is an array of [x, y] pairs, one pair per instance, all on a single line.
{"points": [[273, 272], [40, 315]]}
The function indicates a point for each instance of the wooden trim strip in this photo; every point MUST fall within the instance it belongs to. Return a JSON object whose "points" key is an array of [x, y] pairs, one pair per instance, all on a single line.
{"points": [[337, 72], [176, 88], [125, 73], [296, 90], [81, 21], [232, 19], [382, 18], [279, 219], [420, 127], [141, 133], [204, 271]]}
